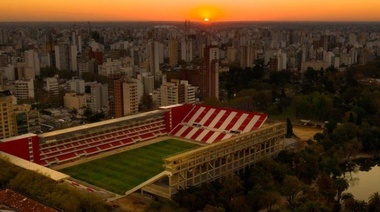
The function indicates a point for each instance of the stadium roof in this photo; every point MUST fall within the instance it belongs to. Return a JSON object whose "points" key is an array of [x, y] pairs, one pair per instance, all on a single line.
{"points": [[27, 135], [98, 124], [54, 175]]}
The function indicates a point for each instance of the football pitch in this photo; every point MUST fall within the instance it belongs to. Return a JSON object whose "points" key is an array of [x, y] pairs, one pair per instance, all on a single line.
{"points": [[123, 171]]}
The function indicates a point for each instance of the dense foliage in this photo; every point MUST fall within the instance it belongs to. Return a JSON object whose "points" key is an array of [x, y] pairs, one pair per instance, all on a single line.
{"points": [[46, 190], [310, 178]]}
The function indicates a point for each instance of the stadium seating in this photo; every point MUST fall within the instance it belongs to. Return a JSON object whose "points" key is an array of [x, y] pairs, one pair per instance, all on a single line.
{"points": [[202, 123], [209, 124], [93, 143]]}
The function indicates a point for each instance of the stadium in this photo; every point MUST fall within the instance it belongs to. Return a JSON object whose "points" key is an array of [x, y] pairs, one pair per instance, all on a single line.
{"points": [[157, 152]]}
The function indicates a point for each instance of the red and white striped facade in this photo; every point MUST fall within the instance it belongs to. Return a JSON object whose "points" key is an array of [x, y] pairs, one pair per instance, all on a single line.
{"points": [[210, 124]]}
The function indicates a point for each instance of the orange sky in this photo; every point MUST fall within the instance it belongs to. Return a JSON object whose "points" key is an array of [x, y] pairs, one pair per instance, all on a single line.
{"points": [[195, 10]]}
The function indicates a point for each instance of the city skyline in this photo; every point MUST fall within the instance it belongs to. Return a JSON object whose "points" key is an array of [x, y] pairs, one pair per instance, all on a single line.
{"points": [[196, 10]]}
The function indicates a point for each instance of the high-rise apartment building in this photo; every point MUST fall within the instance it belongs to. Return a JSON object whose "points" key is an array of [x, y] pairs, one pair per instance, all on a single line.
{"points": [[177, 92], [168, 94], [173, 53], [32, 59], [97, 97], [130, 98], [187, 50], [148, 81], [62, 59], [76, 85], [209, 86], [154, 57], [8, 124], [117, 94], [73, 58], [24, 71]]}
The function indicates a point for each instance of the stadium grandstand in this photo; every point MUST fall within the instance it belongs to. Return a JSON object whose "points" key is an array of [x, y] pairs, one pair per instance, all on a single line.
{"points": [[230, 140]]}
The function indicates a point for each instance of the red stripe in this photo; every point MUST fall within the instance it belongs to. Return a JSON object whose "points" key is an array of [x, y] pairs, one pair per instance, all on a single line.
{"points": [[234, 120], [211, 118], [246, 121], [222, 119], [207, 136], [186, 132], [196, 134]]}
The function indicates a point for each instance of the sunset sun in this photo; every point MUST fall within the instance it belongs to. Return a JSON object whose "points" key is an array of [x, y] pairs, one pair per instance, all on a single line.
{"points": [[206, 13]]}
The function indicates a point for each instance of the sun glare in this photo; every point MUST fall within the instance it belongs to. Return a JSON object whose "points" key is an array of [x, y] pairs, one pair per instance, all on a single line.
{"points": [[206, 13]]}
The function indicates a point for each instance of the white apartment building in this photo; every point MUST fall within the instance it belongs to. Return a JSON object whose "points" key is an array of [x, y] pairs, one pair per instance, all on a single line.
{"points": [[130, 98], [52, 85], [24, 89], [97, 96], [32, 59], [177, 92], [76, 85], [110, 67]]}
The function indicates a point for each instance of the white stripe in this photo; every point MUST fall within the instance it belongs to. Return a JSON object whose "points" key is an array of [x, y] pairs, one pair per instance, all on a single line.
{"points": [[228, 120], [203, 134], [226, 136], [191, 121], [251, 123], [216, 119], [213, 137], [239, 121], [191, 133], [207, 116], [179, 133]]}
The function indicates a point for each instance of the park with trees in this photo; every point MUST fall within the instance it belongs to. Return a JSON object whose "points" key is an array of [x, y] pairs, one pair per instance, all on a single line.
{"points": [[310, 178]]}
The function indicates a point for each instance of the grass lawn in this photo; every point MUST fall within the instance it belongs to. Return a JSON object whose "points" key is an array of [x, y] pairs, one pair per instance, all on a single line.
{"points": [[121, 172]]}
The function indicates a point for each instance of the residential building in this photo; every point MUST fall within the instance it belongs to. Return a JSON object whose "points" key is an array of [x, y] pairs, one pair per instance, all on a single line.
{"points": [[130, 98], [76, 85], [97, 97], [62, 59], [209, 86], [173, 53], [32, 59], [24, 89], [74, 101], [8, 125]]}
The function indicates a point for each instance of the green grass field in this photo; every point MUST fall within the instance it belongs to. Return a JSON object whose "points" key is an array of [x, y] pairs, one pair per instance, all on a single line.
{"points": [[121, 172]]}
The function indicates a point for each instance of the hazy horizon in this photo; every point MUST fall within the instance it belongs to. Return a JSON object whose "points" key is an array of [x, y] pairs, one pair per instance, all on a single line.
{"points": [[195, 10]]}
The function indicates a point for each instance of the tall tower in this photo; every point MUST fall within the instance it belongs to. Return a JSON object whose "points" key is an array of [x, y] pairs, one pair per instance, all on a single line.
{"points": [[186, 45], [62, 59], [31, 57], [210, 73], [154, 63], [130, 98]]}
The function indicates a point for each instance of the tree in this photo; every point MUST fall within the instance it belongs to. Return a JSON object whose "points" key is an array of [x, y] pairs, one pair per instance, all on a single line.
{"points": [[270, 198], [325, 187], [291, 186], [374, 202], [210, 208], [146, 103], [351, 118], [349, 202], [289, 128], [340, 185]]}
